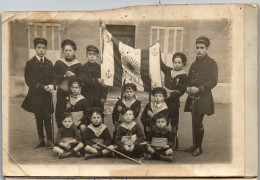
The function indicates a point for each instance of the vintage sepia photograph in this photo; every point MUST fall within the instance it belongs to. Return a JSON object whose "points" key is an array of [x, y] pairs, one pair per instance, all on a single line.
{"points": [[137, 91]]}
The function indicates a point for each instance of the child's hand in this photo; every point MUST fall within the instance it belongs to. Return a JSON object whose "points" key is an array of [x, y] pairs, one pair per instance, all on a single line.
{"points": [[194, 90], [166, 146], [102, 101], [95, 146], [150, 149], [119, 108], [126, 147], [132, 147], [148, 128], [100, 81], [49, 88], [150, 113], [69, 73], [68, 147], [188, 90]]}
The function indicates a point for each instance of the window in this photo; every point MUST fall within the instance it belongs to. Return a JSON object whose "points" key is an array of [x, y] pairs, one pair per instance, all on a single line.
{"points": [[49, 31], [170, 38], [124, 33]]}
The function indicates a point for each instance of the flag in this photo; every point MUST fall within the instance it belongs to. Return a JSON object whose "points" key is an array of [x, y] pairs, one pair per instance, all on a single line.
{"points": [[138, 66]]}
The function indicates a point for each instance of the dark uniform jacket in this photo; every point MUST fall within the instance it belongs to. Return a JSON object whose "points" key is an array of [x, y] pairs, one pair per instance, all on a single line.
{"points": [[203, 74], [89, 74], [92, 134], [135, 130], [37, 75], [178, 82], [60, 69], [71, 132], [147, 121], [160, 133], [135, 106]]}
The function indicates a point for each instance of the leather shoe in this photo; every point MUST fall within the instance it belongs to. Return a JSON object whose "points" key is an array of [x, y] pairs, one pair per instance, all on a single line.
{"points": [[197, 152], [49, 144], [40, 144], [166, 158]]}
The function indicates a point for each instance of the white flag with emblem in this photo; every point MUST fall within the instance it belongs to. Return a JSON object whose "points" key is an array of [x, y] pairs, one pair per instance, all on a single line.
{"points": [[154, 65]]}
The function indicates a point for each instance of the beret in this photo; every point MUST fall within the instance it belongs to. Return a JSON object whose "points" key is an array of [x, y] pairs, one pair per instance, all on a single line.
{"points": [[182, 56], [159, 90], [203, 39], [92, 48], [69, 42], [39, 40], [129, 85]]}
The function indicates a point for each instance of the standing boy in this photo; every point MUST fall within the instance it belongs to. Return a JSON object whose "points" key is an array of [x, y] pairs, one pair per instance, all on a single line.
{"points": [[203, 76], [39, 78], [90, 75]]}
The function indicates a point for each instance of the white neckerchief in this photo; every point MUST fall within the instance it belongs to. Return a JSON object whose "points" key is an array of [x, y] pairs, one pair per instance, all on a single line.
{"points": [[74, 100], [176, 73], [128, 126], [156, 109], [39, 58], [128, 103], [97, 130], [75, 61]]}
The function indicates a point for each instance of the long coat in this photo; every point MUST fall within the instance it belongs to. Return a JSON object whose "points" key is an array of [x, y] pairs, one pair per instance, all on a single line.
{"points": [[203, 74], [37, 75]]}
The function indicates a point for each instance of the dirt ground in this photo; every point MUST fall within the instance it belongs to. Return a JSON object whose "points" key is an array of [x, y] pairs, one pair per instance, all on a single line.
{"points": [[216, 144]]}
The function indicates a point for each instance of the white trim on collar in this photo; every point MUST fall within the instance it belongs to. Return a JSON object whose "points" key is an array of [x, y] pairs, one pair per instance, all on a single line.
{"points": [[75, 61]]}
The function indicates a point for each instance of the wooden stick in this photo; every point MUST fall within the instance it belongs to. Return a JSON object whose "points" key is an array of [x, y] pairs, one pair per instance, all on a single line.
{"points": [[119, 153]]}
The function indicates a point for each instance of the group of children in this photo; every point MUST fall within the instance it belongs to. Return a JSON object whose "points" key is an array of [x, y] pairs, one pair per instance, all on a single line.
{"points": [[80, 107], [84, 130]]}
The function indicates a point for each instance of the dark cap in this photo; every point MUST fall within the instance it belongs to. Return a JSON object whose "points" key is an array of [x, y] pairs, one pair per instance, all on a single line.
{"points": [[180, 55], [92, 48], [95, 109], [203, 39], [159, 90], [69, 42], [39, 40], [129, 85], [75, 80]]}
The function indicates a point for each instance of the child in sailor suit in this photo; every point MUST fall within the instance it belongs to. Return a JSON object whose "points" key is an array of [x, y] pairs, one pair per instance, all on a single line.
{"points": [[154, 109], [96, 133], [129, 136]]}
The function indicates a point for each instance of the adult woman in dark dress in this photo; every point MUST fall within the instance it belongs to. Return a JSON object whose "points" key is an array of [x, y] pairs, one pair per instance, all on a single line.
{"points": [[65, 69]]}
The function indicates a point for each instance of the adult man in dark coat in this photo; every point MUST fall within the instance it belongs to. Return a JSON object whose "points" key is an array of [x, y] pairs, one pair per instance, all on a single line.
{"points": [[39, 78], [203, 76], [90, 75]]}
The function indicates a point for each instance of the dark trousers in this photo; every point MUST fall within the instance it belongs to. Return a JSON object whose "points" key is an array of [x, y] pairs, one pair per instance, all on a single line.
{"points": [[94, 100], [136, 153], [60, 106], [198, 130], [173, 107], [41, 117]]}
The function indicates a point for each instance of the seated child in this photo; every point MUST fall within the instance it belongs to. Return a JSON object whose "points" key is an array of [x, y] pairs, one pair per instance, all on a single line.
{"points": [[96, 132], [128, 101], [154, 109], [68, 138], [77, 105], [129, 135], [160, 141]]}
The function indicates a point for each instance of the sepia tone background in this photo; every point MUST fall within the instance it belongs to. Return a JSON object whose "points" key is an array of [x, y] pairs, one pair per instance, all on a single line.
{"points": [[223, 154]]}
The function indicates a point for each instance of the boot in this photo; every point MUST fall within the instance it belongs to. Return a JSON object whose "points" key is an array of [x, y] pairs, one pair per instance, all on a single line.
{"points": [[198, 142], [166, 158], [49, 144], [40, 144]]}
